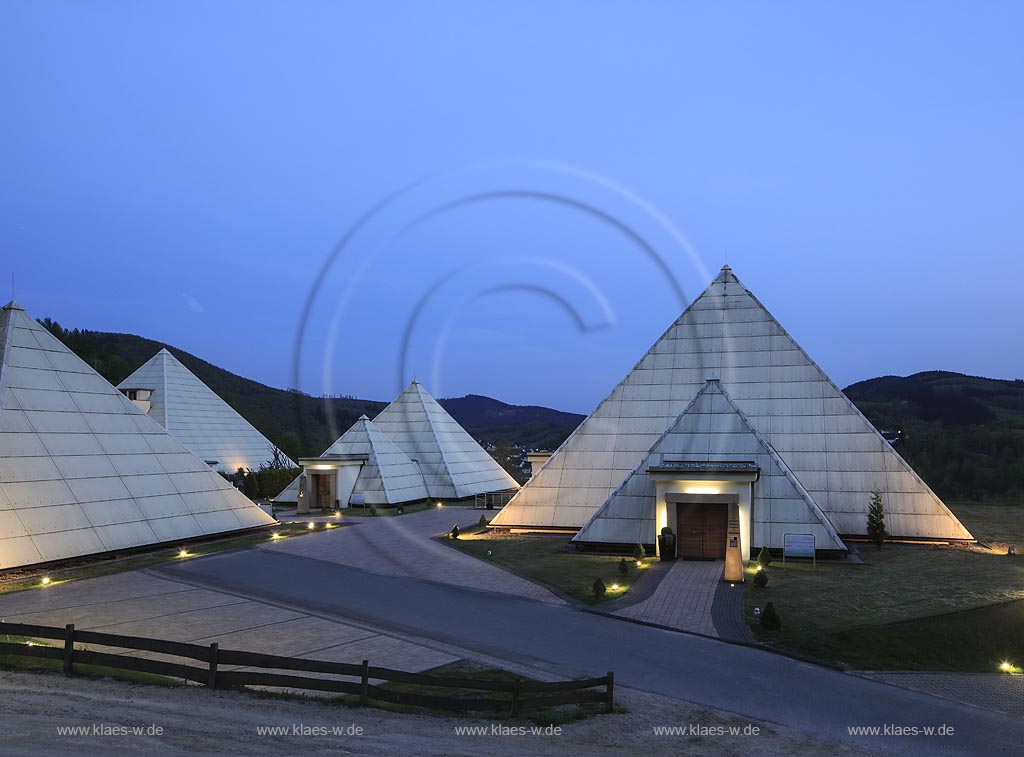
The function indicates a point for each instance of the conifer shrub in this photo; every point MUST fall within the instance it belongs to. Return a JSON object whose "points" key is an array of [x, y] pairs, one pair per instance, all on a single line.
{"points": [[770, 619]]}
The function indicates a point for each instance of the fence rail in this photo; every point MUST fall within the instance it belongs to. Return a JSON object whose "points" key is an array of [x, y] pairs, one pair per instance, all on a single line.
{"points": [[547, 694]]}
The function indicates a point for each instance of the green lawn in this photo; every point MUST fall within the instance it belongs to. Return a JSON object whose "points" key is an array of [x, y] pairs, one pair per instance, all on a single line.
{"points": [[20, 580], [546, 559], [908, 607]]}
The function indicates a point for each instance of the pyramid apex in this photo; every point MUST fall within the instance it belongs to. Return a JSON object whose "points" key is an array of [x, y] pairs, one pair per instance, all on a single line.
{"points": [[726, 267], [12, 305], [363, 417]]}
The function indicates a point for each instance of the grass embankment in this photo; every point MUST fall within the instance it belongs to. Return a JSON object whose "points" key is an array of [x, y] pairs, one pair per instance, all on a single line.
{"points": [[467, 669], [907, 607], [31, 578], [41, 665], [548, 559]]}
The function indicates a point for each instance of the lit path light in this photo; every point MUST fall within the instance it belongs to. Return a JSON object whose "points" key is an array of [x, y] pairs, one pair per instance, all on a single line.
{"points": [[45, 581], [183, 553], [311, 525]]}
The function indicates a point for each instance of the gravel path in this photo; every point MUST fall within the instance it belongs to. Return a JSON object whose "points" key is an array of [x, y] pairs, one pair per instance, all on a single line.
{"points": [[197, 721]]}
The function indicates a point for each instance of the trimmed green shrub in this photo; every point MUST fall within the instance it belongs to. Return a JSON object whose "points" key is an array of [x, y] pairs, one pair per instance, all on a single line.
{"points": [[483, 520], [764, 557], [599, 588], [639, 553], [455, 531], [770, 619], [761, 578], [623, 567], [373, 511]]}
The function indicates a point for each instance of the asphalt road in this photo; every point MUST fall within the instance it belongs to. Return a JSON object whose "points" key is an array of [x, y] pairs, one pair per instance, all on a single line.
{"points": [[746, 681]]}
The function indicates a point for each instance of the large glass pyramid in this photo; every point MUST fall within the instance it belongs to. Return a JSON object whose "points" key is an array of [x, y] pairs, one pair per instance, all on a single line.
{"points": [[194, 415], [83, 470], [388, 477], [834, 453]]}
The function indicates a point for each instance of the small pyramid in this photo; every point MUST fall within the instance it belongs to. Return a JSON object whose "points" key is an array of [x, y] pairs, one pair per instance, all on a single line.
{"points": [[83, 471], [712, 429], [194, 415], [453, 464], [388, 477], [822, 438]]}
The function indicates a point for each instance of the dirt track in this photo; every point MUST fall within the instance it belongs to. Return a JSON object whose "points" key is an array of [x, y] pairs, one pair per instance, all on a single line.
{"points": [[198, 721]]}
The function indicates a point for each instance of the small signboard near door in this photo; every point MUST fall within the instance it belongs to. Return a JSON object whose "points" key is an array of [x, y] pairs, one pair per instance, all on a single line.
{"points": [[797, 545]]}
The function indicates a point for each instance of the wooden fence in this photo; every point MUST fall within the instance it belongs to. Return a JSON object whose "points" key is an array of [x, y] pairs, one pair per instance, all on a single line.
{"points": [[523, 694]]}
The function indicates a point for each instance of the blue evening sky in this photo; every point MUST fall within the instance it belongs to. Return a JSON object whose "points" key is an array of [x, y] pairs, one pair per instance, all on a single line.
{"points": [[542, 185]]}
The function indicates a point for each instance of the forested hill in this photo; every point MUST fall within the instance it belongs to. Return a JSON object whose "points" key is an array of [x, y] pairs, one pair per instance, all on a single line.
{"points": [[529, 425], [298, 423], [963, 434]]}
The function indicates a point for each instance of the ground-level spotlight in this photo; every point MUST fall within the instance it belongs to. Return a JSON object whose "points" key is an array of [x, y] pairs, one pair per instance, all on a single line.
{"points": [[639, 563], [328, 525], [440, 505], [732, 586], [311, 525], [615, 587], [182, 553], [760, 568], [1005, 666], [275, 535], [45, 581]]}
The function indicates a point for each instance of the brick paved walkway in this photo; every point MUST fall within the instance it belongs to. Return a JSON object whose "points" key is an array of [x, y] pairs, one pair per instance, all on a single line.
{"points": [[1001, 692], [140, 604], [403, 546], [683, 599]]}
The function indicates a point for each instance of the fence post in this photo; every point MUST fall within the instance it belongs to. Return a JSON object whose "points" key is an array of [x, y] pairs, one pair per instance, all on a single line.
{"points": [[515, 697], [611, 690], [69, 649], [364, 688], [212, 680]]}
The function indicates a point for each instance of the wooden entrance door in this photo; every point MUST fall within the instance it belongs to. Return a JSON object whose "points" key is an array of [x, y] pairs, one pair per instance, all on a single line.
{"points": [[701, 530], [323, 493]]}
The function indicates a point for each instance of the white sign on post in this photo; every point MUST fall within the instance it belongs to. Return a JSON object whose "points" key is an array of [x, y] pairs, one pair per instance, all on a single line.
{"points": [[358, 499], [798, 545]]}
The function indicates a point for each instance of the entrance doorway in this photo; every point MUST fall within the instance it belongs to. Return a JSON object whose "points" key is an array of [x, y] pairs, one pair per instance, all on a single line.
{"points": [[702, 530], [322, 487]]}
